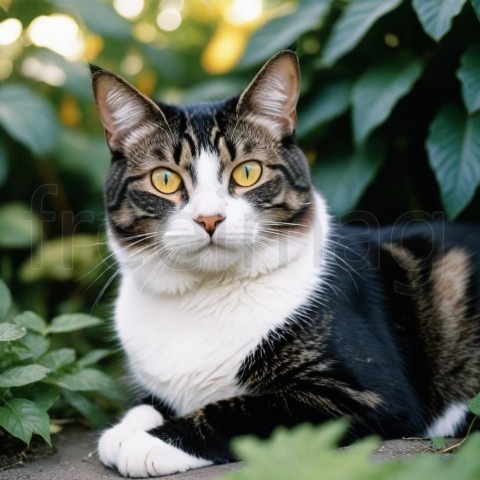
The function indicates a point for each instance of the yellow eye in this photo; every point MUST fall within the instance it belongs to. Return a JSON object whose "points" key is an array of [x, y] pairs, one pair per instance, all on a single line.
{"points": [[165, 180], [247, 173]]}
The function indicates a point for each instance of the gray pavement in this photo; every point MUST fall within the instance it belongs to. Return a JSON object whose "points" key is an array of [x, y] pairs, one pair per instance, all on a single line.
{"points": [[75, 459]]}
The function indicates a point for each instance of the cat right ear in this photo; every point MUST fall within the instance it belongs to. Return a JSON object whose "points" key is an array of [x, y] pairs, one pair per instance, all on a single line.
{"points": [[123, 110]]}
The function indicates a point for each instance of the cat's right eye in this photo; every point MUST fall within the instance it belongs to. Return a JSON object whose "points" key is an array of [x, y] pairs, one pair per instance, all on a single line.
{"points": [[166, 180]]}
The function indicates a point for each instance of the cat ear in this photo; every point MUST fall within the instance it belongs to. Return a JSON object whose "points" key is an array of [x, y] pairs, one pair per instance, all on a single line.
{"points": [[271, 98], [124, 111]]}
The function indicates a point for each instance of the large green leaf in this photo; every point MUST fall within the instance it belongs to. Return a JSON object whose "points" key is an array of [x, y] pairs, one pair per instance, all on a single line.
{"points": [[329, 102], [22, 418], [453, 147], [281, 32], [70, 322], [91, 380], [353, 24], [9, 332], [93, 357], [476, 7], [377, 91], [28, 118], [19, 226], [436, 15], [5, 299], [31, 321], [93, 413], [343, 178], [18, 376], [474, 405], [34, 346], [469, 75], [57, 359]]}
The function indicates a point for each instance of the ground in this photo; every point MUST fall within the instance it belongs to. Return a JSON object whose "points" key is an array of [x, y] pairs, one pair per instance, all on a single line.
{"points": [[74, 458]]}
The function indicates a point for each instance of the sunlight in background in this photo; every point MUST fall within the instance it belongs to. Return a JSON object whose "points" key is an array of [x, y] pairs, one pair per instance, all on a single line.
{"points": [[129, 8], [50, 74], [170, 18], [243, 11], [10, 31], [59, 33]]}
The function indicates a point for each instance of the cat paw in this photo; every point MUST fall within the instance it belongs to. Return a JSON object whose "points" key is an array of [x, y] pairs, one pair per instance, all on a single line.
{"points": [[143, 455], [140, 418]]}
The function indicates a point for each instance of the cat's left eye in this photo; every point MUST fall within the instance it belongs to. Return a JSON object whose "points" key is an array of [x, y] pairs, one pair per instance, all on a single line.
{"points": [[166, 180], [247, 173]]}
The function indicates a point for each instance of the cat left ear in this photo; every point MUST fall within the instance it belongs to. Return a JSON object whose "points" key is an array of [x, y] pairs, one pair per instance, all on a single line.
{"points": [[271, 99], [123, 110]]}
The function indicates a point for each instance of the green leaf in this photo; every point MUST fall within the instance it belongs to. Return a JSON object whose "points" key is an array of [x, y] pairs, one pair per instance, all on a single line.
{"points": [[330, 102], [453, 147], [3, 164], [9, 332], [474, 405], [57, 359], [90, 380], [22, 418], [352, 171], [378, 90], [5, 299], [42, 394], [19, 226], [476, 7], [32, 322], [99, 17], [18, 376], [436, 15], [70, 322], [281, 32], [28, 118], [93, 357], [469, 75], [35, 346], [353, 24], [439, 443], [93, 413]]}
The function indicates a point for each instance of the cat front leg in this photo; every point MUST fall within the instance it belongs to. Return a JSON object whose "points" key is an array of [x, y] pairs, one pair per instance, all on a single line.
{"points": [[138, 419], [202, 438]]}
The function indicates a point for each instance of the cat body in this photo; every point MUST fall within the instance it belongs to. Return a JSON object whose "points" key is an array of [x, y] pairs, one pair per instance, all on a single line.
{"points": [[243, 306]]}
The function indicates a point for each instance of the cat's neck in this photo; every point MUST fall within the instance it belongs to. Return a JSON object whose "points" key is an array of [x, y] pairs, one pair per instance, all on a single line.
{"points": [[292, 252]]}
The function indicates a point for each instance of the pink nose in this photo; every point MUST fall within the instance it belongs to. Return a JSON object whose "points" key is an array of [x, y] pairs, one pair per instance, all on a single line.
{"points": [[209, 223]]}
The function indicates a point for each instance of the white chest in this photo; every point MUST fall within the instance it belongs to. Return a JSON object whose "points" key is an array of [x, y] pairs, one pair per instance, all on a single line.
{"points": [[187, 349]]}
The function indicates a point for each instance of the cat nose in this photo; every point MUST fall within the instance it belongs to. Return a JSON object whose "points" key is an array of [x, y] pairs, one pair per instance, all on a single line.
{"points": [[209, 223]]}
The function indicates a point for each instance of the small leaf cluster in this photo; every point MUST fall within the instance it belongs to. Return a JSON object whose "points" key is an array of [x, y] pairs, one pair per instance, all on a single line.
{"points": [[391, 97], [35, 377], [307, 453]]}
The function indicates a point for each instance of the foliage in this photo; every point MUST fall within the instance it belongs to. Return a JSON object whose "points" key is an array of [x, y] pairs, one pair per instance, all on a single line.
{"points": [[36, 377], [307, 452]]}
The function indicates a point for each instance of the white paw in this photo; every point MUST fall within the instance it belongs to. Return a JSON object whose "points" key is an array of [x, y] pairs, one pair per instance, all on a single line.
{"points": [[140, 418], [142, 455]]}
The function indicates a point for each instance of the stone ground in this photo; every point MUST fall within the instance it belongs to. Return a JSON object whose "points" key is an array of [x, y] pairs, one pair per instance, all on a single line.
{"points": [[75, 459]]}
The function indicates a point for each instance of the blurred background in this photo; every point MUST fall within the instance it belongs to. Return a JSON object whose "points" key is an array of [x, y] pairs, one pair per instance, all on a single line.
{"points": [[388, 116]]}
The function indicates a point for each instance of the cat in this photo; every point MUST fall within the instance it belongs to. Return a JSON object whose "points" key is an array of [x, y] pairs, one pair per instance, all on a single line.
{"points": [[242, 304]]}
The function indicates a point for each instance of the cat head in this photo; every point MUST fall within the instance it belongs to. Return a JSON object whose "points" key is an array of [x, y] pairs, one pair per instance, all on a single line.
{"points": [[207, 188]]}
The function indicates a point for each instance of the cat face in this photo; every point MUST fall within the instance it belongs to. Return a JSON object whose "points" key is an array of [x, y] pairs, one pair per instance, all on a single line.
{"points": [[208, 187]]}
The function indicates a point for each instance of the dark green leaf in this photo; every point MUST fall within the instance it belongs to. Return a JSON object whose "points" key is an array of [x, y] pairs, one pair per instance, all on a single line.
{"points": [[476, 7], [9, 332], [19, 226], [5, 299], [281, 32], [18, 376], [93, 413], [436, 15], [474, 405], [330, 101], [28, 118], [3, 164], [378, 90], [353, 24], [42, 394], [343, 178], [93, 357], [32, 322], [70, 322], [57, 359], [469, 75], [22, 418], [453, 149], [90, 380]]}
